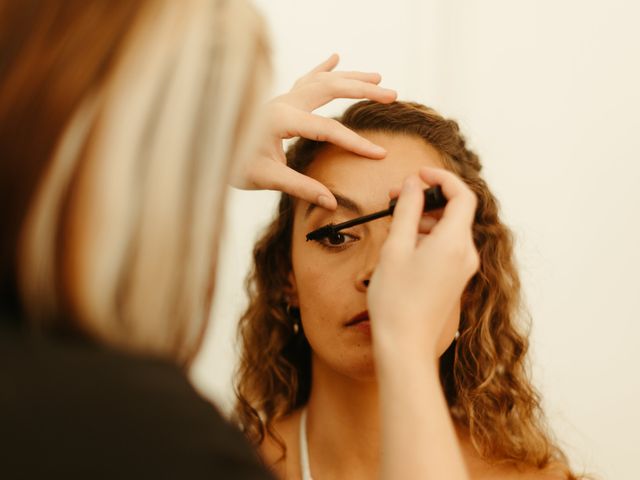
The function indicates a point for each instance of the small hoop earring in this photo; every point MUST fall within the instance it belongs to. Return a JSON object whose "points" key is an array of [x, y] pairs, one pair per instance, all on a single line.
{"points": [[295, 319]]}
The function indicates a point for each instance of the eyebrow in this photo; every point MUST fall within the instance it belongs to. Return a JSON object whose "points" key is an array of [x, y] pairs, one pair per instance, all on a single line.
{"points": [[343, 202]]}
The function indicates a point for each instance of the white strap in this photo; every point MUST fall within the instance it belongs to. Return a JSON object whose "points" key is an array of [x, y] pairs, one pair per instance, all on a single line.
{"points": [[304, 448]]}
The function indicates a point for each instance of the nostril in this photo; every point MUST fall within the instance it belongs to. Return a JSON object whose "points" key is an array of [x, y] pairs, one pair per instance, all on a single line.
{"points": [[366, 283]]}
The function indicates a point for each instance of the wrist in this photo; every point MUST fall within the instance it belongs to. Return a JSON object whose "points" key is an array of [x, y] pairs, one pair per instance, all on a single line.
{"points": [[406, 358], [409, 381]]}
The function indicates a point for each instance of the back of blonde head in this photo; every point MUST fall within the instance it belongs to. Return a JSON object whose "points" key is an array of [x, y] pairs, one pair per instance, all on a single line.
{"points": [[118, 237]]}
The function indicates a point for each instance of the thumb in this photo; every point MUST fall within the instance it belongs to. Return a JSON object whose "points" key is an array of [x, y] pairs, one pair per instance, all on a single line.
{"points": [[406, 216]]}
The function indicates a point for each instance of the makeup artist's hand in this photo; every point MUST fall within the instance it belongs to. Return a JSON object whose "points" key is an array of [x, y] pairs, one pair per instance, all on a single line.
{"points": [[420, 278], [290, 115]]}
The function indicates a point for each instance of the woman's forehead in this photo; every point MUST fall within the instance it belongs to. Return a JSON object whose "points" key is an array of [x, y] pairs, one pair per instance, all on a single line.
{"points": [[362, 178]]}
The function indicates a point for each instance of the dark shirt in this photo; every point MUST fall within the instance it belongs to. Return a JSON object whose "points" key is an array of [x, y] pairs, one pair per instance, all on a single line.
{"points": [[73, 409]]}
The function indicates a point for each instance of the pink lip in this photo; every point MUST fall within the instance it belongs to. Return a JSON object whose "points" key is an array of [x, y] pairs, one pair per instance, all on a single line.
{"points": [[359, 318], [364, 327]]}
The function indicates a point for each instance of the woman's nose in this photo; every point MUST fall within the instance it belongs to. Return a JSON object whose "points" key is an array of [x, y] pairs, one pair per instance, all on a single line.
{"points": [[363, 279], [371, 253]]}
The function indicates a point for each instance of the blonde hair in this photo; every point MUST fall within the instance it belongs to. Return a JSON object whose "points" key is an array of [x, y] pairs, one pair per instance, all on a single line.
{"points": [[121, 233]]}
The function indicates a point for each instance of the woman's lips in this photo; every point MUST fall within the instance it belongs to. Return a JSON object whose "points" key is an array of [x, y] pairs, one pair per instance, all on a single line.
{"points": [[359, 318]]}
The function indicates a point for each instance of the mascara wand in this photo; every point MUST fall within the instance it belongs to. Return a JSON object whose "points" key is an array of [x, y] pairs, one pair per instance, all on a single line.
{"points": [[433, 200]]}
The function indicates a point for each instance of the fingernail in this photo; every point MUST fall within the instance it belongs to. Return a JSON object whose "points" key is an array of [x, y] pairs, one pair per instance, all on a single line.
{"points": [[325, 202], [378, 149], [409, 183]]}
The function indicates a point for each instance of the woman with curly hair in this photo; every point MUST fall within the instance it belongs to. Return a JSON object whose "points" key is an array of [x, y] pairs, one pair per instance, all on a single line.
{"points": [[312, 335]]}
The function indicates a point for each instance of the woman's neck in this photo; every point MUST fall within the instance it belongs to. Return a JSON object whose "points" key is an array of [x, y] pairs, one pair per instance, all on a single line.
{"points": [[343, 428]]}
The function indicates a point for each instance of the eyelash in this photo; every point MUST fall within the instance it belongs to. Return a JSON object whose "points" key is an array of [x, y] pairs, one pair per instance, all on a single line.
{"points": [[337, 248]]}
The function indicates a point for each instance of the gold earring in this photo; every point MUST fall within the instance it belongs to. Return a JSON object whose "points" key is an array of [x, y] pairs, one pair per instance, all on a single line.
{"points": [[294, 318]]}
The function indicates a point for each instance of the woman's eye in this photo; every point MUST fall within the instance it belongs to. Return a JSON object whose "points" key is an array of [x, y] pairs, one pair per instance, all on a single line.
{"points": [[338, 239]]}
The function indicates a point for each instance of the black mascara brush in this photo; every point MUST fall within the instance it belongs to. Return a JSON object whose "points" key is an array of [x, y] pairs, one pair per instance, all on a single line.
{"points": [[433, 200]]}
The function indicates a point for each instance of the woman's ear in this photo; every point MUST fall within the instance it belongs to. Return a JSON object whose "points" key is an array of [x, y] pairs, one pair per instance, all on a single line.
{"points": [[291, 291]]}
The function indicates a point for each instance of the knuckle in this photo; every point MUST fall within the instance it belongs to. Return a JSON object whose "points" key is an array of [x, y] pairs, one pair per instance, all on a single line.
{"points": [[328, 129], [333, 87], [324, 129], [300, 82], [456, 251], [362, 89], [310, 78], [320, 137]]}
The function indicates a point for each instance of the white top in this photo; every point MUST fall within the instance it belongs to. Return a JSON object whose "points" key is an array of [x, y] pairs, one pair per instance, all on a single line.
{"points": [[304, 448]]}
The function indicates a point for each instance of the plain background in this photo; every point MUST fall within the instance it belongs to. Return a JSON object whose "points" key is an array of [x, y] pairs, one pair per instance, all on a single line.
{"points": [[547, 93]]}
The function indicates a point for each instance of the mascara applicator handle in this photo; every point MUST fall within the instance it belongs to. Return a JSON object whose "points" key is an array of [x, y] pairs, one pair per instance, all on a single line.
{"points": [[434, 199]]}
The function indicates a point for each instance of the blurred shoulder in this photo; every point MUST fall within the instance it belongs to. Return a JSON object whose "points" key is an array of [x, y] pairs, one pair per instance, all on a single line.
{"points": [[77, 396]]}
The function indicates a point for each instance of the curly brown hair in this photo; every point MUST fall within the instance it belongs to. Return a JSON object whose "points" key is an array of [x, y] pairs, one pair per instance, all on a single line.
{"points": [[484, 373]]}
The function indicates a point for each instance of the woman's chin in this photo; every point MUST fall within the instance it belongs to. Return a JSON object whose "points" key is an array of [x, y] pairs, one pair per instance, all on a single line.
{"points": [[357, 364]]}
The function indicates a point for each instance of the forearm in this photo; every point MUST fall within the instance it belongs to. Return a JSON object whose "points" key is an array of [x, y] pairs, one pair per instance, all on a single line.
{"points": [[419, 439]]}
